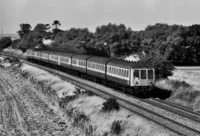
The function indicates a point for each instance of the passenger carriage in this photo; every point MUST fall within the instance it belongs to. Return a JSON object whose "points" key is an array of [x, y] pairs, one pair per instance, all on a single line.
{"points": [[54, 58], [96, 66], [79, 62], [33, 54], [44, 56], [66, 60]]}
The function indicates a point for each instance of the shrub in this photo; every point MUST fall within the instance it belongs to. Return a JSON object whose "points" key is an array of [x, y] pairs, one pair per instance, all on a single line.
{"points": [[25, 74], [79, 119], [105, 134], [89, 93], [66, 100], [116, 127], [110, 104], [5, 42]]}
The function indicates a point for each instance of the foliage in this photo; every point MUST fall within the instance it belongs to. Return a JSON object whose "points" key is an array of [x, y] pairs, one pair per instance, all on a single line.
{"points": [[24, 30], [110, 40], [116, 127], [110, 104], [159, 61], [5, 42], [34, 39], [15, 44]]}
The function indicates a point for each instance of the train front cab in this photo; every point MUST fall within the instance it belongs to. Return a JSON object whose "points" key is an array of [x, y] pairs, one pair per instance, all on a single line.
{"points": [[142, 77]]}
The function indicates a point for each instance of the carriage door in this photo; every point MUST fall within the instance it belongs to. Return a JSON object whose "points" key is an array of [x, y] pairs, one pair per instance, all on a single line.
{"points": [[144, 80], [135, 77]]}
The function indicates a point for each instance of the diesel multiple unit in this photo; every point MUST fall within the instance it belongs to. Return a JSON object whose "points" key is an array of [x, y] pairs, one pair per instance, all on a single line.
{"points": [[128, 74]]}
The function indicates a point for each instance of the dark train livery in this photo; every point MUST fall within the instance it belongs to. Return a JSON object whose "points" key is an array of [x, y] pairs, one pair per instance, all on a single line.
{"points": [[127, 74]]}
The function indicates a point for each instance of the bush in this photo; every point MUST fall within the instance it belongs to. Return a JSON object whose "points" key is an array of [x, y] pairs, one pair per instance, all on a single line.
{"points": [[110, 104], [116, 127], [66, 100], [5, 42], [25, 74]]}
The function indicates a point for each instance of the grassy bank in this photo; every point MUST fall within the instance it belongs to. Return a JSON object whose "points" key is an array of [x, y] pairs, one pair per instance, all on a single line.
{"points": [[185, 87]]}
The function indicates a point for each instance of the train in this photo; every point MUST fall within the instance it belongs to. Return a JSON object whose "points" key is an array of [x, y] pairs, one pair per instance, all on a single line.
{"points": [[117, 73]]}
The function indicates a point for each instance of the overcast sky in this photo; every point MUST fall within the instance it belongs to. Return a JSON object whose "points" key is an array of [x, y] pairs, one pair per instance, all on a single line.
{"points": [[136, 14]]}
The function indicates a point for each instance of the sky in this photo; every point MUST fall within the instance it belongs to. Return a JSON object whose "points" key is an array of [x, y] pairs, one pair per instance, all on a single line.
{"points": [[136, 14]]}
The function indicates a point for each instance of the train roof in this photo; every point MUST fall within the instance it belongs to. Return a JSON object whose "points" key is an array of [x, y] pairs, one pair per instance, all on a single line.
{"points": [[66, 54], [101, 60], [81, 57], [125, 64]]}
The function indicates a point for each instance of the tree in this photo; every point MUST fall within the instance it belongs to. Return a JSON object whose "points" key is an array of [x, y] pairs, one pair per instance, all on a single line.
{"points": [[42, 28], [15, 43], [5, 42], [112, 40], [159, 61], [193, 40], [24, 30], [56, 23]]}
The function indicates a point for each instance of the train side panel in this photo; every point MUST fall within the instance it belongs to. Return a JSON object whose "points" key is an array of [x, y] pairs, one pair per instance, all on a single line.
{"points": [[44, 56], [54, 58], [66, 60], [79, 63], [96, 66]]}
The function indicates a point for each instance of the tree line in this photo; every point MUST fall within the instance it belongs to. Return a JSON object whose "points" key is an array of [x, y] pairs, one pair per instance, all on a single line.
{"points": [[159, 45]]}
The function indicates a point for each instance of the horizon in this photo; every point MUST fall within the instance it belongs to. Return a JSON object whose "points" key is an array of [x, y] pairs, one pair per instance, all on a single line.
{"points": [[137, 14]]}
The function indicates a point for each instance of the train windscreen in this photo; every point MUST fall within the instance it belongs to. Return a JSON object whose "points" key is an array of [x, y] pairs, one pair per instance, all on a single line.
{"points": [[150, 74], [143, 74]]}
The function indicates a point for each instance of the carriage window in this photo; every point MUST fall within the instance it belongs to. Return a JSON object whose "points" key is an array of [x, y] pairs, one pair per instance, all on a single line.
{"points": [[150, 74], [136, 74], [127, 73], [62, 59], [143, 74], [73, 61]]}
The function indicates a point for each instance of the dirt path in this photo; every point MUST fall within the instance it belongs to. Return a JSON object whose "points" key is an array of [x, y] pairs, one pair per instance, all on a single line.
{"points": [[23, 112]]}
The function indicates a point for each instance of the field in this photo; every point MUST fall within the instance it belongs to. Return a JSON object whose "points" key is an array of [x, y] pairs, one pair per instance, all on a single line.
{"points": [[185, 86]]}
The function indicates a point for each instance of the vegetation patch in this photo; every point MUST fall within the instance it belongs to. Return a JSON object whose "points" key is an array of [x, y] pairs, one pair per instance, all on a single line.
{"points": [[116, 127], [110, 104], [189, 96], [181, 92], [177, 84]]}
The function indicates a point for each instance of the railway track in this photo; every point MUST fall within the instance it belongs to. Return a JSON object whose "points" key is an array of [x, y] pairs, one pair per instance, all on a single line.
{"points": [[163, 121]]}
